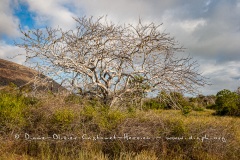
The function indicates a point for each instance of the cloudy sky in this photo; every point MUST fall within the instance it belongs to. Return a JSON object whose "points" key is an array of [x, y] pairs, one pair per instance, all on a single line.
{"points": [[208, 29]]}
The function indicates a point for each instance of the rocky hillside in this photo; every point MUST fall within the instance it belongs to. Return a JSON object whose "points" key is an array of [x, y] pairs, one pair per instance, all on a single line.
{"points": [[20, 75]]}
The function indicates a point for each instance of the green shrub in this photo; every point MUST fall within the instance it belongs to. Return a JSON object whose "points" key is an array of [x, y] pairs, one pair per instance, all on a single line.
{"points": [[186, 110], [153, 104], [227, 103], [12, 107], [195, 108], [63, 118], [104, 117], [89, 113], [113, 118], [178, 128], [213, 107]]}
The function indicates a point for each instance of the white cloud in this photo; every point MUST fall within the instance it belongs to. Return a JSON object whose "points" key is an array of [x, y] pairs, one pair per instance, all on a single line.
{"points": [[9, 52], [191, 25], [52, 12], [222, 76], [9, 23], [211, 33]]}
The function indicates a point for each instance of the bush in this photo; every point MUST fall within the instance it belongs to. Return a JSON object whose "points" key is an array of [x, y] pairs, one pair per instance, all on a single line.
{"points": [[186, 110], [63, 118], [227, 103], [153, 104], [197, 107], [12, 109], [103, 117]]}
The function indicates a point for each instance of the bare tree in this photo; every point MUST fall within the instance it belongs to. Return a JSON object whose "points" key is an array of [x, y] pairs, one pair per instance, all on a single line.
{"points": [[103, 59]]}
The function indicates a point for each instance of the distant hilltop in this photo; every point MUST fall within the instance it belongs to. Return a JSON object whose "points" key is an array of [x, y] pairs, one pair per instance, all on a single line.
{"points": [[21, 76]]}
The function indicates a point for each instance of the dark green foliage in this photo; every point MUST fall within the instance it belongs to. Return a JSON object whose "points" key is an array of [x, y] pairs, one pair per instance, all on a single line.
{"points": [[186, 110], [194, 108], [153, 104], [173, 101], [227, 103]]}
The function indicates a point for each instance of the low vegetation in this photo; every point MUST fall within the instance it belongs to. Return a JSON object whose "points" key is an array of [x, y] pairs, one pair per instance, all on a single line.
{"points": [[63, 126]]}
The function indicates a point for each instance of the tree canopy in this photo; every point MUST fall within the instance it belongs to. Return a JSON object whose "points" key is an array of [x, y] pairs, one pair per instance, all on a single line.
{"points": [[227, 103], [109, 60]]}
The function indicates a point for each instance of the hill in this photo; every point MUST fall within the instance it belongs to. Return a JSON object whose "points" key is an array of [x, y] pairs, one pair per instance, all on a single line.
{"points": [[20, 75]]}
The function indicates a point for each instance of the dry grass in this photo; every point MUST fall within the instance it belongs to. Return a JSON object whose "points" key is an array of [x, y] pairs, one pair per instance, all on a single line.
{"points": [[66, 115]]}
